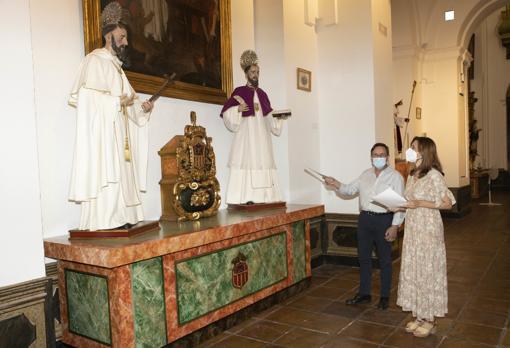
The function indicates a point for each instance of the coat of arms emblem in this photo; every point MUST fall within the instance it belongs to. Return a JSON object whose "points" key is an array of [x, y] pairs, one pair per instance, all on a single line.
{"points": [[239, 271]]}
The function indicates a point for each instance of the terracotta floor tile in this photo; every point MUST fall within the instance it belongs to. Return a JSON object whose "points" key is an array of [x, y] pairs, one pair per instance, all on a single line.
{"points": [[452, 342], [267, 312], [342, 283], [265, 330], [367, 331], [298, 338], [402, 339], [237, 342], [347, 311], [317, 280], [310, 303], [241, 326], [444, 325], [327, 292], [474, 316], [489, 305], [308, 320], [210, 342], [346, 342], [476, 333], [387, 317]]}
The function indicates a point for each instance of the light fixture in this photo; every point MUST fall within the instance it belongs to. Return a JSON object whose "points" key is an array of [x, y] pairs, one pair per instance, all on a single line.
{"points": [[449, 15]]}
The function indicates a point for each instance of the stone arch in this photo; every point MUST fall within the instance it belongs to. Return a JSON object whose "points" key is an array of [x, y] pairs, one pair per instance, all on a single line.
{"points": [[477, 14]]}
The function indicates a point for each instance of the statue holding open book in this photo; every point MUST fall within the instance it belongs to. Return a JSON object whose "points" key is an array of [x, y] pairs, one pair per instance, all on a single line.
{"points": [[248, 113]]}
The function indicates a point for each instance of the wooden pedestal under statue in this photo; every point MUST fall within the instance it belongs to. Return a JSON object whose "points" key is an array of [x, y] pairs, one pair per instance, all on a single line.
{"points": [[256, 206], [154, 288], [189, 188]]}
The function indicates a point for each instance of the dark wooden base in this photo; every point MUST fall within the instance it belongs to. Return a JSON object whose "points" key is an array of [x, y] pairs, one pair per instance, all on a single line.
{"points": [[256, 206], [143, 226]]}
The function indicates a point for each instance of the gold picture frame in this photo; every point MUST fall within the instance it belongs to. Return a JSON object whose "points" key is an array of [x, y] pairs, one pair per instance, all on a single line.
{"points": [[304, 79], [197, 33], [418, 113]]}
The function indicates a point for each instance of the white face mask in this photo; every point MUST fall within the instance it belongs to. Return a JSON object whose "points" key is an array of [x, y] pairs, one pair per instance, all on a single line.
{"points": [[411, 155], [379, 162]]}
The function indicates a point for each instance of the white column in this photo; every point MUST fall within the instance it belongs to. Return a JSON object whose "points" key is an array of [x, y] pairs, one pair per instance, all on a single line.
{"points": [[355, 102], [21, 248]]}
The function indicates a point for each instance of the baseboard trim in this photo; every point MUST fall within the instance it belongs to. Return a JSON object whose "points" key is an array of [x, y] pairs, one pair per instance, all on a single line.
{"points": [[25, 314]]}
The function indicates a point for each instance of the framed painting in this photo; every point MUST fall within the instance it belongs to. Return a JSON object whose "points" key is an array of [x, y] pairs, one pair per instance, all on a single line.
{"points": [[304, 79], [418, 113], [191, 38]]}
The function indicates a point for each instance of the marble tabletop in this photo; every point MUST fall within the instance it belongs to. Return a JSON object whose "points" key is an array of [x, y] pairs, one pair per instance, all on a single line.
{"points": [[174, 236]]}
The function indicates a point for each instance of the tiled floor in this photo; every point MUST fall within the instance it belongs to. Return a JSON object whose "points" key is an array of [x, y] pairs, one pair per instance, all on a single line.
{"points": [[478, 249]]}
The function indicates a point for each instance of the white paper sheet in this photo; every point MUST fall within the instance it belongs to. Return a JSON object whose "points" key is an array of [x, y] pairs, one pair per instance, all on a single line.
{"points": [[313, 174], [390, 198]]}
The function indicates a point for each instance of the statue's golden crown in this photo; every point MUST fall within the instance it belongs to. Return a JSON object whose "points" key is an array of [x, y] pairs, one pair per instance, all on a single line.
{"points": [[248, 58]]}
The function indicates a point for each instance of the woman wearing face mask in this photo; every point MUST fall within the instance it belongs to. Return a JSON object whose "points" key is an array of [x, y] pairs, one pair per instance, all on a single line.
{"points": [[422, 286]]}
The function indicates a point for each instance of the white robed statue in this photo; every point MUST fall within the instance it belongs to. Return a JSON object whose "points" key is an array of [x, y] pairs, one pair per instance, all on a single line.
{"points": [[248, 113], [110, 156]]}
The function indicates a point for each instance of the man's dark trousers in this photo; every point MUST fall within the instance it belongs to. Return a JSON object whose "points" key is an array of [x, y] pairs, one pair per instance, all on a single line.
{"points": [[371, 230]]}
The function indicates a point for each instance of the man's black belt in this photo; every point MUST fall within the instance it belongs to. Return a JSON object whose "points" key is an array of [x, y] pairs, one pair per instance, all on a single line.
{"points": [[374, 213]]}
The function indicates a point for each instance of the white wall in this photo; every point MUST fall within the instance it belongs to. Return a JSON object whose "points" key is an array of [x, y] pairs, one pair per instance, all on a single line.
{"points": [[406, 67], [21, 249], [269, 45], [440, 122], [347, 97], [492, 79], [300, 51], [383, 74]]}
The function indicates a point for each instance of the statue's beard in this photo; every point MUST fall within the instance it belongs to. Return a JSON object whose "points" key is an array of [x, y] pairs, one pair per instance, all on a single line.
{"points": [[253, 82], [122, 53]]}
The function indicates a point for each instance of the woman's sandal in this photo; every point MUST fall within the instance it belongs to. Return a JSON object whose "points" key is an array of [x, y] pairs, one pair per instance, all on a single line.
{"points": [[413, 325], [425, 329]]}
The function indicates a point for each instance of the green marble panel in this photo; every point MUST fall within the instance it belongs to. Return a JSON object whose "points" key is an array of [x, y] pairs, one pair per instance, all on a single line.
{"points": [[149, 303], [299, 250], [87, 306], [204, 283]]}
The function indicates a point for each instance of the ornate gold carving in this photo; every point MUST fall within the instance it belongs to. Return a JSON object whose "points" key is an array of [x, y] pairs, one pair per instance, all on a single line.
{"points": [[199, 198], [195, 190]]}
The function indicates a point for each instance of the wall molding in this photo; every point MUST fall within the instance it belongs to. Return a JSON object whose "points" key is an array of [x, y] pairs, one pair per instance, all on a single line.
{"points": [[25, 314]]}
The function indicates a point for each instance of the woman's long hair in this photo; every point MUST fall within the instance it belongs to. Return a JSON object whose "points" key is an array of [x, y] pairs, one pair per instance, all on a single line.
{"points": [[429, 157]]}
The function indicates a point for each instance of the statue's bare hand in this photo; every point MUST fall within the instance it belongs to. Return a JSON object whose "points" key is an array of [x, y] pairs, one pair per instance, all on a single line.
{"points": [[242, 104], [147, 106]]}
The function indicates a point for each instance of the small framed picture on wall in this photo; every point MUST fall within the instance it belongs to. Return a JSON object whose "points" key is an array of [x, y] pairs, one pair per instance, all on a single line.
{"points": [[304, 80], [418, 113]]}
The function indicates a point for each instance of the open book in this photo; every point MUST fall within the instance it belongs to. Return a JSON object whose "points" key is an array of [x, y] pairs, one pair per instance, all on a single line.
{"points": [[315, 174], [282, 113]]}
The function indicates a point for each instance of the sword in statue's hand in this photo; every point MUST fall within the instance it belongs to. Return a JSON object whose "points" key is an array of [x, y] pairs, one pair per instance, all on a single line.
{"points": [[168, 81]]}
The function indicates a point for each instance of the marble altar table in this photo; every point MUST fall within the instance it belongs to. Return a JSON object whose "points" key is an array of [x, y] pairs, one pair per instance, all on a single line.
{"points": [[154, 288]]}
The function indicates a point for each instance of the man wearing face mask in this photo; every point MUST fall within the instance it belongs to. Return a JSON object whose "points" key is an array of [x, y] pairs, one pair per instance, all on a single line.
{"points": [[376, 225], [110, 157]]}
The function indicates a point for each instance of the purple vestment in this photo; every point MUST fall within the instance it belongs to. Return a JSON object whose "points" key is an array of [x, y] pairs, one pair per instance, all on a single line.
{"points": [[247, 94]]}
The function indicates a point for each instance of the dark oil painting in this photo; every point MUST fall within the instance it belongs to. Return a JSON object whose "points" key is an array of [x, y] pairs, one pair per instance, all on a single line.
{"points": [[174, 36]]}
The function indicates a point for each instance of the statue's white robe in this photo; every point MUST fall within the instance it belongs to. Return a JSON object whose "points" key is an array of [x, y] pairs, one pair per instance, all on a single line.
{"points": [[253, 176], [107, 186]]}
